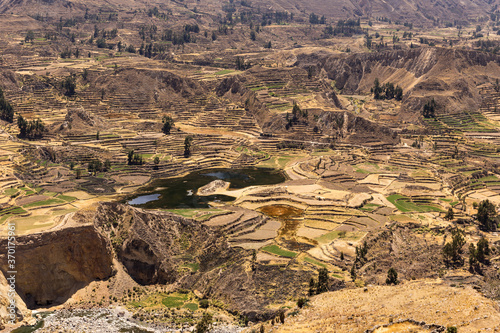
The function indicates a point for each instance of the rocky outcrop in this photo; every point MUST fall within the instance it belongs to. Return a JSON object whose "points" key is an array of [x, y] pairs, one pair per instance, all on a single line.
{"points": [[53, 265], [213, 187], [7, 310], [154, 246]]}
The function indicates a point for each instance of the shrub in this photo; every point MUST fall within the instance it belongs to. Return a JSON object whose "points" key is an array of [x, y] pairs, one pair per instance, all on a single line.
{"points": [[302, 301], [204, 303], [392, 277], [204, 324]]}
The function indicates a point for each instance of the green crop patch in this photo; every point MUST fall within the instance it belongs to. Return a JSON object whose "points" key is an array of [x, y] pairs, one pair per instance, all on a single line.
{"points": [[275, 249], [314, 262], [191, 306], [66, 198], [175, 300], [405, 204]]}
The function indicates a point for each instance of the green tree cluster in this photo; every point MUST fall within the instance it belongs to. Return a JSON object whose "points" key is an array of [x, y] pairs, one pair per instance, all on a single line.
{"points": [[452, 251], [6, 110], [386, 91], [188, 141], [32, 129], [477, 255], [96, 166], [134, 159], [168, 123], [487, 216], [69, 85], [322, 285], [429, 110]]}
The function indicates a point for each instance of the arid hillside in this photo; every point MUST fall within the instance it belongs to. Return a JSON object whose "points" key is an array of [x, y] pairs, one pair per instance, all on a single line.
{"points": [[417, 11], [451, 77], [419, 306]]}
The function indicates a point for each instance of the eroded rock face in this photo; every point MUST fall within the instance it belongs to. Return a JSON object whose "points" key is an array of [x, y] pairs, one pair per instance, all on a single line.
{"points": [[53, 265], [20, 312], [154, 246]]}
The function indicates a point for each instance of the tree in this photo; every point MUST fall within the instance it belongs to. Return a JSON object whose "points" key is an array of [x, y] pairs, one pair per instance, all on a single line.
{"points": [[312, 287], [30, 36], [253, 35], [130, 49], [156, 161], [69, 85], [168, 123], [451, 329], [130, 156], [453, 250], [134, 159], [32, 129], [483, 250], [486, 215], [187, 146], [204, 324], [429, 110], [107, 166], [353, 272], [6, 110], [262, 330], [449, 215], [296, 112], [377, 89], [78, 173], [473, 262], [322, 285], [361, 253], [392, 277]]}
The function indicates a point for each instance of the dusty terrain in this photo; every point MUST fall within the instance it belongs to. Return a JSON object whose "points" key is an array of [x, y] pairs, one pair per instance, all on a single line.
{"points": [[131, 92]]}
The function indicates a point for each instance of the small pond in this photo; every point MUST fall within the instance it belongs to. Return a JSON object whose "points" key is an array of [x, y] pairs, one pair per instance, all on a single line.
{"points": [[181, 192]]}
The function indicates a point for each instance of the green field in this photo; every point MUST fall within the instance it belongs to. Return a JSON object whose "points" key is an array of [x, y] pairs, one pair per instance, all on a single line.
{"points": [[314, 262], [66, 198], [10, 191], [224, 71], [275, 249], [405, 204]]}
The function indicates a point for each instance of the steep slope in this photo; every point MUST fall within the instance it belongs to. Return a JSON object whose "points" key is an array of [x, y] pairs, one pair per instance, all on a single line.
{"points": [[417, 11], [451, 76], [55, 264]]}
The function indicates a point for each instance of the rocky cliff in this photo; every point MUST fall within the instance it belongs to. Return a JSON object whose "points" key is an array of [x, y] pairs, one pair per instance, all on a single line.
{"points": [[52, 265]]}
